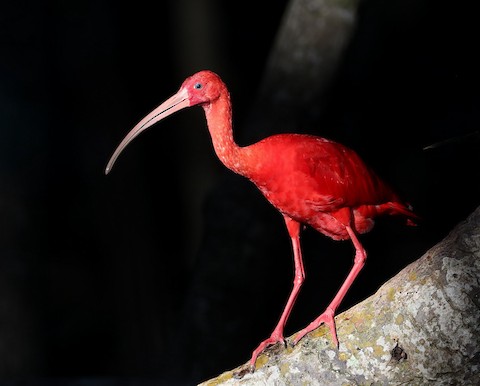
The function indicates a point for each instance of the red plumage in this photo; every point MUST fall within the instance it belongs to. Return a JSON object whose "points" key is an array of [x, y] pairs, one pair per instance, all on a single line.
{"points": [[309, 179]]}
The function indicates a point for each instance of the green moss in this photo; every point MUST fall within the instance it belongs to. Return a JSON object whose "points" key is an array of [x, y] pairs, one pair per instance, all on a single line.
{"points": [[378, 350], [399, 319], [285, 369], [261, 360], [347, 327], [220, 379], [344, 356], [391, 294], [320, 331]]}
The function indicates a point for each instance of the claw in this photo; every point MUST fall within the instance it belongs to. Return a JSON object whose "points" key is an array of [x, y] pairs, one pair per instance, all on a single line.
{"points": [[328, 318], [264, 345]]}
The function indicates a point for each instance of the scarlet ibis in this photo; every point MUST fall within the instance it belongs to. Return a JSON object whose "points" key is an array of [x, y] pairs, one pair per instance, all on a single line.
{"points": [[309, 179]]}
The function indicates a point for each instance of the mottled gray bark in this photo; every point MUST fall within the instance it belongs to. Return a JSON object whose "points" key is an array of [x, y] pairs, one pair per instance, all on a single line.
{"points": [[421, 327]]}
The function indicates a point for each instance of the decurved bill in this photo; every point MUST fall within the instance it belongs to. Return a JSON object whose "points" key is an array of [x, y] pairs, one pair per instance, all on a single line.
{"points": [[176, 102]]}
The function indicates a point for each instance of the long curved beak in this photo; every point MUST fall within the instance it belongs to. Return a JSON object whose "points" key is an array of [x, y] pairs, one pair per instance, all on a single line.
{"points": [[171, 105]]}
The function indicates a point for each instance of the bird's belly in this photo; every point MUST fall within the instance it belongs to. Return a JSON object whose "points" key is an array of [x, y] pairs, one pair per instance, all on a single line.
{"points": [[324, 213], [319, 214], [327, 224]]}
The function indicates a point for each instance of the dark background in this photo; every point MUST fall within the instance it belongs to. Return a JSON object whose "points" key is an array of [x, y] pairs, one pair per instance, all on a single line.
{"points": [[172, 268]]}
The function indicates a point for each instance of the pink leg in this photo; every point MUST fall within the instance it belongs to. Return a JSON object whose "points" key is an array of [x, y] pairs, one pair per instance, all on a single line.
{"points": [[293, 228], [328, 316]]}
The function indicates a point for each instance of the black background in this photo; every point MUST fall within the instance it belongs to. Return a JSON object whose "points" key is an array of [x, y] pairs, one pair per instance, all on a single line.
{"points": [[172, 267]]}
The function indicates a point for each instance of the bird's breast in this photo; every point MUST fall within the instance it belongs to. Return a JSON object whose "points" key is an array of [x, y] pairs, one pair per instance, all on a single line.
{"points": [[295, 197]]}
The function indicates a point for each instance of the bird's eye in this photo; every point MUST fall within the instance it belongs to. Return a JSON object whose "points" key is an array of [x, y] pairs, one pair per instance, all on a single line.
{"points": [[198, 86]]}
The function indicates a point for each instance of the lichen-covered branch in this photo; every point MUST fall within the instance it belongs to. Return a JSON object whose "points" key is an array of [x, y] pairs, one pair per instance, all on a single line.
{"points": [[421, 327]]}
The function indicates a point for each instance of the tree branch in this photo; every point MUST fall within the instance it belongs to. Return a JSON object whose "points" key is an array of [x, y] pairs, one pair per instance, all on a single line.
{"points": [[421, 327]]}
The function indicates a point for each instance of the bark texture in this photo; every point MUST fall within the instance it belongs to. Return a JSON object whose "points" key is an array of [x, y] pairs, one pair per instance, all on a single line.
{"points": [[421, 327]]}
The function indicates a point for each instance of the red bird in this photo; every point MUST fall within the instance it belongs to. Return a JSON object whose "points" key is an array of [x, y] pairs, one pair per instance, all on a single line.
{"points": [[310, 180]]}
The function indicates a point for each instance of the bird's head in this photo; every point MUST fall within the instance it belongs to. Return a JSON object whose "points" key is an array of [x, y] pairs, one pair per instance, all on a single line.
{"points": [[202, 88]]}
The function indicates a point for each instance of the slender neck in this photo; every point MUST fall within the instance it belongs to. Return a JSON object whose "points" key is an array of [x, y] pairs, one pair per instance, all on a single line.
{"points": [[219, 121]]}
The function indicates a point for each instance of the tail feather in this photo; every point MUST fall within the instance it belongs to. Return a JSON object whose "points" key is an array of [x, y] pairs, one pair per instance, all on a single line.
{"points": [[406, 210]]}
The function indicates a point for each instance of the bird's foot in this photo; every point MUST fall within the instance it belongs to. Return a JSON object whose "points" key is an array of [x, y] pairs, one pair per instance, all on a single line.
{"points": [[273, 339], [328, 317]]}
